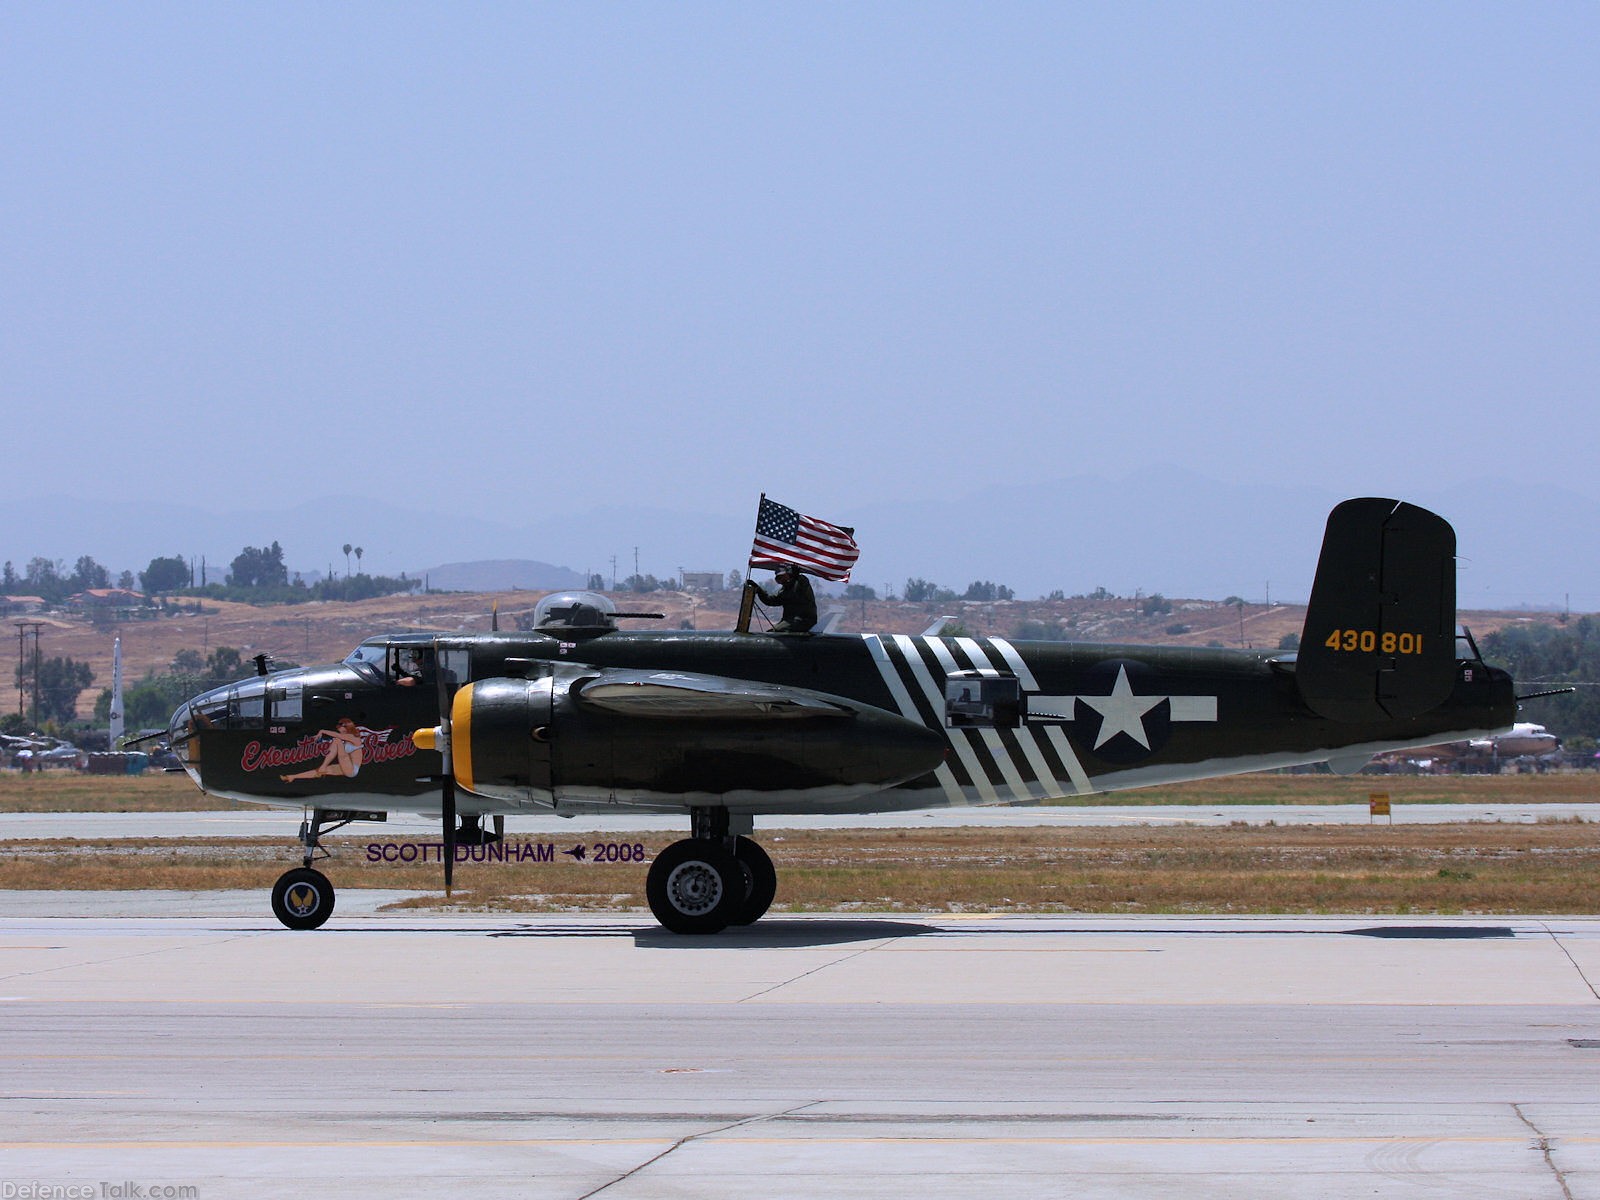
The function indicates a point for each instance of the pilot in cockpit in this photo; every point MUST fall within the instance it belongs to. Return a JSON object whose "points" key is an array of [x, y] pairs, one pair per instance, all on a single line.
{"points": [[408, 669]]}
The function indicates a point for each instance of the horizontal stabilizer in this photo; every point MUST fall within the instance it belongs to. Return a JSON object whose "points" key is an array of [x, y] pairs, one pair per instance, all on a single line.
{"points": [[1379, 637]]}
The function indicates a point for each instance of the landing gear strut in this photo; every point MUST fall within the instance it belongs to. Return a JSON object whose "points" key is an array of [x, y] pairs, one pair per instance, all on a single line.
{"points": [[470, 830], [706, 882], [303, 897]]}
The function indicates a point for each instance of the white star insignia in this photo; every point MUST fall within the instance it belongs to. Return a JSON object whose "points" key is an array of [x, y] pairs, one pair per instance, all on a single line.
{"points": [[1123, 712]]}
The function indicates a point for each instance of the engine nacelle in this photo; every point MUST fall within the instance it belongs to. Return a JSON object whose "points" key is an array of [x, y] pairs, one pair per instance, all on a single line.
{"points": [[595, 736]]}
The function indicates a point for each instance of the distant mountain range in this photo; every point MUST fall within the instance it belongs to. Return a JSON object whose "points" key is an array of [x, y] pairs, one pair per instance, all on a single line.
{"points": [[1166, 530]]}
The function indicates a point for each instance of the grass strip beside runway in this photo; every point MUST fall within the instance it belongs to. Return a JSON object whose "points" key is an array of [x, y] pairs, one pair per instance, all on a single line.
{"points": [[1506, 869], [70, 791]]}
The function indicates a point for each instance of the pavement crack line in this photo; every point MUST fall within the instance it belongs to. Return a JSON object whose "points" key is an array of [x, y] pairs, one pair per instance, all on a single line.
{"points": [[695, 1137], [1542, 1144], [833, 962], [1556, 938], [100, 962]]}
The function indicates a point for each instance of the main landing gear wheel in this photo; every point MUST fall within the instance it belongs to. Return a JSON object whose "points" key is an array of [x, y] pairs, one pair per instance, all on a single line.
{"points": [[761, 880], [695, 886], [302, 898]]}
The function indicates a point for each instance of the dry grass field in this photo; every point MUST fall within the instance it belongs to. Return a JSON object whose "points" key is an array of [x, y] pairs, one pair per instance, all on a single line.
{"points": [[1546, 867], [1549, 867], [1575, 787], [69, 791]]}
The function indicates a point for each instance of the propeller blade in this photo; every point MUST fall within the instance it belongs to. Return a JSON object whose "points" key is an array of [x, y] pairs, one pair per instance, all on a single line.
{"points": [[448, 805], [447, 789]]}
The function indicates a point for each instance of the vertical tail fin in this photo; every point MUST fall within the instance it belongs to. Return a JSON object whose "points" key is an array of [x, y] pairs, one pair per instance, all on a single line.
{"points": [[1379, 637]]}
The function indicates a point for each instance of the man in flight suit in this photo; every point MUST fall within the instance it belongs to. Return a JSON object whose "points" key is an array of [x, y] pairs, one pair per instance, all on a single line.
{"points": [[795, 597]]}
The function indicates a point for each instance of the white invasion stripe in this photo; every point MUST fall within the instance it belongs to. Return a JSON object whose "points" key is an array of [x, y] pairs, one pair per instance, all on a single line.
{"points": [[1028, 738], [1193, 708], [1183, 708], [1058, 738], [991, 737], [908, 709], [935, 695]]}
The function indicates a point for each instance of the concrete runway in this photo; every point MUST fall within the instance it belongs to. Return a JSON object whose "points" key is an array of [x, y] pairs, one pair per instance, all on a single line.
{"points": [[854, 1057], [283, 824]]}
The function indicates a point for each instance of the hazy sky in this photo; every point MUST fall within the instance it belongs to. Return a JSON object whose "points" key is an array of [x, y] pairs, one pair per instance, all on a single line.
{"points": [[538, 257]]}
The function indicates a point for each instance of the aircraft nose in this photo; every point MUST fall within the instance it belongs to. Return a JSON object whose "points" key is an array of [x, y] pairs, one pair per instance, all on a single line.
{"points": [[182, 739], [178, 727]]}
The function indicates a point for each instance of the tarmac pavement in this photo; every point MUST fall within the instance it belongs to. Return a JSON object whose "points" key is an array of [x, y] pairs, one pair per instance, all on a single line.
{"points": [[582, 1056]]}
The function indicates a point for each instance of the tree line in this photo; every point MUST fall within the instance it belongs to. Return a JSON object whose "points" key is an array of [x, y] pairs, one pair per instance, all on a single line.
{"points": [[257, 574], [147, 703], [52, 582], [1567, 654], [54, 690]]}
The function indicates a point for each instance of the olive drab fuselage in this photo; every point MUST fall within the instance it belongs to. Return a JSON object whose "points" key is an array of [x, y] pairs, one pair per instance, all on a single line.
{"points": [[774, 724]]}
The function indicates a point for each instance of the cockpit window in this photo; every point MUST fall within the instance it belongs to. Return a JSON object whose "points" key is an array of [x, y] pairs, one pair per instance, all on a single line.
{"points": [[245, 708], [239, 707], [366, 655], [409, 666], [286, 703]]}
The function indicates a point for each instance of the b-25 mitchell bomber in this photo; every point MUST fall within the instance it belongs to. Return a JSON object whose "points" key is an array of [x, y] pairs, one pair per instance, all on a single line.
{"points": [[731, 728]]}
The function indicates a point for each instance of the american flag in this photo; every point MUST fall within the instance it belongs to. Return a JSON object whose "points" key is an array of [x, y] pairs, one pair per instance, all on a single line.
{"points": [[816, 547]]}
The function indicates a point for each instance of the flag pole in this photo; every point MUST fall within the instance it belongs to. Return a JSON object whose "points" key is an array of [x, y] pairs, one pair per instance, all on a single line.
{"points": [[747, 601]]}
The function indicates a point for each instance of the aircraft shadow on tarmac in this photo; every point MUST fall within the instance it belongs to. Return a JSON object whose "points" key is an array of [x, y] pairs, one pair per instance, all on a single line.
{"points": [[777, 934], [1441, 932], [770, 934]]}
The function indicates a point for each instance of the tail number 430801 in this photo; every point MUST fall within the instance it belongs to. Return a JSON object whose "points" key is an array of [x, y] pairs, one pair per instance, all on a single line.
{"points": [[1370, 641]]}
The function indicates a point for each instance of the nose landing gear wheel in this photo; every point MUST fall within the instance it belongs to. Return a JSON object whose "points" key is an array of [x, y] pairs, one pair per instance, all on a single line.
{"points": [[302, 898], [695, 886]]}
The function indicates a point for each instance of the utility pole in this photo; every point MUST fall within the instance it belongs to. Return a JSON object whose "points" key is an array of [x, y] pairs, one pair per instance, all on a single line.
{"points": [[25, 629], [21, 659]]}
